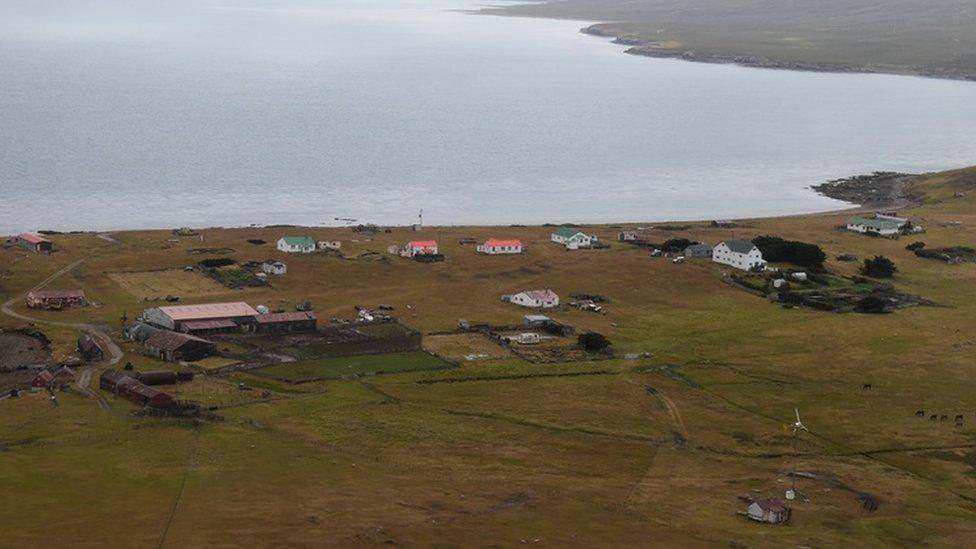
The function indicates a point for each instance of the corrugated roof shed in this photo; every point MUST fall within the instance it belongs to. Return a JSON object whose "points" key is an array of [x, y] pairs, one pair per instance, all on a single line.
{"points": [[285, 317], [193, 325], [208, 311], [32, 238], [171, 341]]}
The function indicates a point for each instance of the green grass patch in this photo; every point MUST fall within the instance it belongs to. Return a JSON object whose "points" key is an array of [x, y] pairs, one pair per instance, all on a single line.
{"points": [[353, 367]]}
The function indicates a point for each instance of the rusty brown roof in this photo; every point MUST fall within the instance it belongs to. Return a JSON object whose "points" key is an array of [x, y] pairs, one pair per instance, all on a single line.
{"points": [[285, 317], [171, 341]]}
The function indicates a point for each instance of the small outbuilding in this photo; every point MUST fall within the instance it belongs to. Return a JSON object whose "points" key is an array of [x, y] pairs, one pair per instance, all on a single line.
{"points": [[330, 245], [34, 242], [89, 348], [699, 250], [42, 380], [773, 511], [274, 267], [419, 247]]}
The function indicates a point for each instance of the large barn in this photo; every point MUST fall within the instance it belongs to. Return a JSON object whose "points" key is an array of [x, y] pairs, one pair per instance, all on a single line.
{"points": [[216, 316]]}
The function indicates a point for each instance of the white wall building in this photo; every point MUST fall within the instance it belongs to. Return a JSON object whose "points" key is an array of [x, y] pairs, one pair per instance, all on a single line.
{"points": [[542, 299], [741, 254], [572, 238], [419, 247], [329, 244], [296, 244], [878, 225], [494, 246]]}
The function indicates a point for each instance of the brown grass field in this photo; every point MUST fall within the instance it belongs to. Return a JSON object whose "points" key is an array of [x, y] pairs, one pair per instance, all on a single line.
{"points": [[533, 456], [159, 284]]}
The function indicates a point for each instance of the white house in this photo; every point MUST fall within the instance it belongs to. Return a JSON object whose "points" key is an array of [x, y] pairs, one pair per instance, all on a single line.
{"points": [[543, 299], [419, 247], [329, 244], [773, 511], [296, 244], [573, 239], [494, 246], [878, 225], [274, 267], [740, 254]]}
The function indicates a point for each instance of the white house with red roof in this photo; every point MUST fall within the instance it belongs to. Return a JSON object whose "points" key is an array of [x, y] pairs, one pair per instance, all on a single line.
{"points": [[539, 299], [494, 246], [419, 247]]}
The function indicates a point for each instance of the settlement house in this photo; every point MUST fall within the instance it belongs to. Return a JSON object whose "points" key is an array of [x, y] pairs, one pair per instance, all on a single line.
{"points": [[573, 239], [878, 226], [64, 375], [419, 247], [773, 511], [220, 316], [493, 246], [56, 299], [296, 244], [33, 242], [90, 350], [542, 299], [273, 267], [699, 250], [177, 347], [741, 254], [278, 323]]}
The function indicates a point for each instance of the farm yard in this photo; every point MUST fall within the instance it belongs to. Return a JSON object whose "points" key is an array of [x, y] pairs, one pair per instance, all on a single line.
{"points": [[352, 367], [656, 440]]}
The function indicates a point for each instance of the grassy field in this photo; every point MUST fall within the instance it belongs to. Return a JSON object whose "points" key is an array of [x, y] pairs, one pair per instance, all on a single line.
{"points": [[900, 36], [352, 367], [502, 452], [159, 284]]}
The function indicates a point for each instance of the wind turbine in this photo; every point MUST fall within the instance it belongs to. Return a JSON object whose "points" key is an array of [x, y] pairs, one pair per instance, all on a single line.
{"points": [[797, 427]]}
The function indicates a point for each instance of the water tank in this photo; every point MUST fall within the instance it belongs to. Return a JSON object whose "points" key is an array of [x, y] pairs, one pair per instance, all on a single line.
{"points": [[263, 309]]}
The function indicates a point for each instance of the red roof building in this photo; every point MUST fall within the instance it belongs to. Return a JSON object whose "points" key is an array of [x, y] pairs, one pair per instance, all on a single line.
{"points": [[34, 242], [421, 247], [42, 380], [303, 321], [494, 246]]}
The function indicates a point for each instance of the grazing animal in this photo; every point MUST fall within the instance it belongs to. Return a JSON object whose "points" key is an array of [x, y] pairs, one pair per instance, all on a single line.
{"points": [[920, 413], [959, 417], [933, 417], [866, 387], [944, 417]]}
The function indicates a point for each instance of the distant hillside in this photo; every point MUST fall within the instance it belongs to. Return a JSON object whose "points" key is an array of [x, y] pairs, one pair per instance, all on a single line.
{"points": [[897, 36]]}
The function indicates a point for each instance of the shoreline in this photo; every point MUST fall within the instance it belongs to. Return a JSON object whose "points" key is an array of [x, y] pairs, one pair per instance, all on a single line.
{"points": [[874, 192], [654, 49], [657, 50]]}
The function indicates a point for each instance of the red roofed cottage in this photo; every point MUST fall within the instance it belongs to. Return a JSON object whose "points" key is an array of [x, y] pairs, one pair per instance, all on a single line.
{"points": [[494, 246]]}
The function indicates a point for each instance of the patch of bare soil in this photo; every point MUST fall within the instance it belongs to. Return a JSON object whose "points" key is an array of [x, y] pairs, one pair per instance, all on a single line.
{"points": [[22, 348]]}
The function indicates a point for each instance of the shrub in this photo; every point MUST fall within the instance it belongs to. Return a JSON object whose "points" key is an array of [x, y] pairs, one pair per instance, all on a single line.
{"points": [[593, 341], [776, 249], [879, 267], [915, 246], [792, 298], [215, 262], [676, 244], [871, 304]]}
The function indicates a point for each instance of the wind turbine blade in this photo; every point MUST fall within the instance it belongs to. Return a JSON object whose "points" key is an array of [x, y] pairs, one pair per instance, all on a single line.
{"points": [[797, 410]]}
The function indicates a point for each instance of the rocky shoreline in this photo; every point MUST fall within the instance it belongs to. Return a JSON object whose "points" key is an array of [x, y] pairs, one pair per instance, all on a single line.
{"points": [[876, 191], [660, 50]]}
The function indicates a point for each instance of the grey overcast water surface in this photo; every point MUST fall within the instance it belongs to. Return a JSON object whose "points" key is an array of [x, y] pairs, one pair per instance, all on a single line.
{"points": [[137, 114]]}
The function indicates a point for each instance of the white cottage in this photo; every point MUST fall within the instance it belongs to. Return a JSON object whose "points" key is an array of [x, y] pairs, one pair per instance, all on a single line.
{"points": [[541, 299], [573, 239], [296, 244], [741, 254], [878, 225], [493, 246]]}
